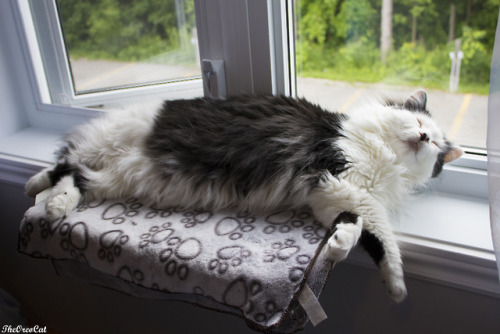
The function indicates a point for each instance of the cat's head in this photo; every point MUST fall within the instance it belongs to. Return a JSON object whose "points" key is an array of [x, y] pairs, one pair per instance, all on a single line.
{"points": [[417, 140]]}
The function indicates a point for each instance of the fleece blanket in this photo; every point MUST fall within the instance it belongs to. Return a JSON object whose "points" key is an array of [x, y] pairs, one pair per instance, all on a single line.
{"points": [[255, 266]]}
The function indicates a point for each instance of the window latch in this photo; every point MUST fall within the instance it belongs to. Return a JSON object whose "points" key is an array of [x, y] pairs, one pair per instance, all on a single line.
{"points": [[214, 78]]}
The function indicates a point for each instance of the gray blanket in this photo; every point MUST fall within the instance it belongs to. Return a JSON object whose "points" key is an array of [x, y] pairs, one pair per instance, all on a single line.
{"points": [[250, 265]]}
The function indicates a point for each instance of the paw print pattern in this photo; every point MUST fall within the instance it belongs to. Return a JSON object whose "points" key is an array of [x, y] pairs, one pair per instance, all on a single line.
{"points": [[89, 205], [153, 213], [314, 234], [119, 212], [178, 254], [270, 312], [111, 244], [156, 234], [136, 276], [48, 228], [191, 219], [25, 234], [281, 251], [228, 256], [75, 239], [285, 221], [247, 296], [234, 227]]}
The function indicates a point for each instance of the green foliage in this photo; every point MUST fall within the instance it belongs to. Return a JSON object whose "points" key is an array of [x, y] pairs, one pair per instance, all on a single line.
{"points": [[477, 58], [340, 40], [336, 39], [126, 30]]}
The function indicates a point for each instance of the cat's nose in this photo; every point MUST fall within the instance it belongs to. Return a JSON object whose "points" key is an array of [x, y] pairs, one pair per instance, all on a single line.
{"points": [[424, 137]]}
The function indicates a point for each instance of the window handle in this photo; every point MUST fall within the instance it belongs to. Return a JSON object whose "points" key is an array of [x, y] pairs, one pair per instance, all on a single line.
{"points": [[214, 78]]}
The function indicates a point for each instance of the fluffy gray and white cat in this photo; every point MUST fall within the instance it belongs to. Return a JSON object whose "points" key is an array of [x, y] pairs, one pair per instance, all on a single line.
{"points": [[261, 153]]}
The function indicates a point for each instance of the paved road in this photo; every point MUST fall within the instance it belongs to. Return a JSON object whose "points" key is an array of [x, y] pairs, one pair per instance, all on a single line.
{"points": [[462, 116], [98, 74]]}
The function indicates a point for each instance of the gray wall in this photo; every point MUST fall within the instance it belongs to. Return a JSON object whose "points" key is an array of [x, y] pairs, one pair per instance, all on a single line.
{"points": [[353, 299]]}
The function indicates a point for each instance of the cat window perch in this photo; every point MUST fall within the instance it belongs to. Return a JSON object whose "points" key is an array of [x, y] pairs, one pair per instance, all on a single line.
{"points": [[267, 269]]}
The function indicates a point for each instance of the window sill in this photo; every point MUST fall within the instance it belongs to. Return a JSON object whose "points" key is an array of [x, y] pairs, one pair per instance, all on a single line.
{"points": [[445, 238]]}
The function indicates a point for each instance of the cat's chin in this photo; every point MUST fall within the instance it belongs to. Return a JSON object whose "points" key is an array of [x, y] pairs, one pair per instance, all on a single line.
{"points": [[414, 145]]}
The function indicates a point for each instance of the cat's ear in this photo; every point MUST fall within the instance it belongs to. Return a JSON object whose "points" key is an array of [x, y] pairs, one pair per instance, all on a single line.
{"points": [[454, 153], [417, 101]]}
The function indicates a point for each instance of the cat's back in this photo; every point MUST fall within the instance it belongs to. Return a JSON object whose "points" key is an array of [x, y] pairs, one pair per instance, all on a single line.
{"points": [[246, 139], [249, 118]]}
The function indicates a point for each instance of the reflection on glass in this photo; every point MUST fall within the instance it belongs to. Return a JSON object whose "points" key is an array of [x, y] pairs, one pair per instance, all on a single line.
{"points": [[121, 43], [349, 51]]}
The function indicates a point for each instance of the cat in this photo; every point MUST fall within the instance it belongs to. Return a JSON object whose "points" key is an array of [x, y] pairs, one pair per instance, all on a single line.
{"points": [[261, 153]]}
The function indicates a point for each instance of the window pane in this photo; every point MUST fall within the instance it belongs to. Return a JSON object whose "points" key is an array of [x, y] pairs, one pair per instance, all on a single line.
{"points": [[121, 43], [341, 59]]}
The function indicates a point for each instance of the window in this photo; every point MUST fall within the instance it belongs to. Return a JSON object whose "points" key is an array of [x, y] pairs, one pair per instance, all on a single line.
{"points": [[347, 50], [97, 51], [256, 41], [339, 65]]}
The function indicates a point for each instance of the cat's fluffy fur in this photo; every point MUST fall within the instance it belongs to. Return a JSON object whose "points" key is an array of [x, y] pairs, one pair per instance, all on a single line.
{"points": [[261, 153]]}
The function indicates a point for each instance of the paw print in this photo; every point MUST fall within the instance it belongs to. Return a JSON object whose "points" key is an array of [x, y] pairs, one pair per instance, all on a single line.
{"points": [[269, 311], [136, 276], [314, 233], [281, 251], [111, 244], [285, 221], [74, 239], [233, 227], [178, 254], [247, 296], [48, 228], [163, 213], [119, 212], [228, 256], [191, 219], [25, 234], [90, 205], [156, 234]]}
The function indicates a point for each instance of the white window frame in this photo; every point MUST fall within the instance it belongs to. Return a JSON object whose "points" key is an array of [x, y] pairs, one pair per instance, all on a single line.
{"points": [[470, 268], [259, 58], [48, 47]]}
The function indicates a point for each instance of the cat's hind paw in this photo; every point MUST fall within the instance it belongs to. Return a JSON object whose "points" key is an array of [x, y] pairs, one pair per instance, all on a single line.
{"points": [[63, 199]]}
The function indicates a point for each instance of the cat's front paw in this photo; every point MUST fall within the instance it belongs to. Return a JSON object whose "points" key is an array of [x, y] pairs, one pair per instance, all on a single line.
{"points": [[336, 250], [397, 289], [342, 241]]}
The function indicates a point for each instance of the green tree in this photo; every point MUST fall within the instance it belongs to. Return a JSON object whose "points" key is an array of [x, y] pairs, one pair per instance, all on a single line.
{"points": [[124, 29]]}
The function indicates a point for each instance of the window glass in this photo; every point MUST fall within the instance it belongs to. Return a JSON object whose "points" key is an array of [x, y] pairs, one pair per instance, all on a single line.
{"points": [[122, 43], [352, 50]]}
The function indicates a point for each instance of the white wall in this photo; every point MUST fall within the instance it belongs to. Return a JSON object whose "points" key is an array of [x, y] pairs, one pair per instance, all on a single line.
{"points": [[10, 95]]}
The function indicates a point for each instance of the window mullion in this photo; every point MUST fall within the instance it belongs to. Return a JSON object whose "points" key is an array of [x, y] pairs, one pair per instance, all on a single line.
{"points": [[237, 32], [51, 44]]}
